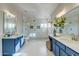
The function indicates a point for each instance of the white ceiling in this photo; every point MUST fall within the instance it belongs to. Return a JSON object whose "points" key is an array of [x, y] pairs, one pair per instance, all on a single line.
{"points": [[38, 10]]}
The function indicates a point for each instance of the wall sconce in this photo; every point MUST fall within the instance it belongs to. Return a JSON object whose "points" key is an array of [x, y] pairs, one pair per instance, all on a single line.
{"points": [[61, 13]]}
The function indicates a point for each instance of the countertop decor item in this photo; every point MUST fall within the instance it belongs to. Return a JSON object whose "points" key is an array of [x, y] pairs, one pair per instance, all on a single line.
{"points": [[59, 23], [54, 32]]}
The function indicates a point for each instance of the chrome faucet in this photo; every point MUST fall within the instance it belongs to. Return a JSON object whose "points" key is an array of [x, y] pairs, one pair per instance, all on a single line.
{"points": [[74, 37]]}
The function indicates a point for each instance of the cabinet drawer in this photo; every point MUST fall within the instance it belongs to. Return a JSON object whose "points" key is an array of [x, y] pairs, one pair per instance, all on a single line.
{"points": [[63, 53], [71, 52], [61, 45]]}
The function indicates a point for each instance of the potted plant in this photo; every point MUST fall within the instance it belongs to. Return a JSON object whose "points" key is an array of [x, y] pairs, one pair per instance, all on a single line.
{"points": [[59, 23]]}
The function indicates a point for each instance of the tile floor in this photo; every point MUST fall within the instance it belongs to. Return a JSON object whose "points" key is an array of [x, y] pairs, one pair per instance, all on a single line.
{"points": [[34, 47]]}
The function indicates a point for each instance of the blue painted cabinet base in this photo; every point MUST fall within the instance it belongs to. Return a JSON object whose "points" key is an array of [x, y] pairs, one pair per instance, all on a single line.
{"points": [[11, 46], [60, 49], [8, 47]]}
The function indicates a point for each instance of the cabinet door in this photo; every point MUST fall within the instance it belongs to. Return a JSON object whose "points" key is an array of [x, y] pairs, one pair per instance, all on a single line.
{"points": [[63, 53], [53, 47], [62, 46], [56, 50], [22, 41], [17, 47], [8, 47], [71, 52]]}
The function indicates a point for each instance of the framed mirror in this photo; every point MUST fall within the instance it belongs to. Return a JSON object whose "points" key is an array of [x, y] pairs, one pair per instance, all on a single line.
{"points": [[72, 21], [9, 22]]}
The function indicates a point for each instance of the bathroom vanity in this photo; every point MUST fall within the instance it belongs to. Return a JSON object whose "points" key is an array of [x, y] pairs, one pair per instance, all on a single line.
{"points": [[12, 44], [64, 46]]}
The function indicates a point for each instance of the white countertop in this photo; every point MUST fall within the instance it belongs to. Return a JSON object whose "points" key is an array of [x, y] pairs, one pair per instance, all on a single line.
{"points": [[12, 37], [66, 40]]}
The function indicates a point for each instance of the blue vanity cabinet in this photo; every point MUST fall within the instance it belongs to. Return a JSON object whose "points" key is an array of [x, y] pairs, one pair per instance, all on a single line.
{"points": [[59, 49], [11, 45], [7, 47]]}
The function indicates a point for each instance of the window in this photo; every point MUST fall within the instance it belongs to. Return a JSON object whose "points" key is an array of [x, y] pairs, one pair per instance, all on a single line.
{"points": [[32, 35], [45, 25]]}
